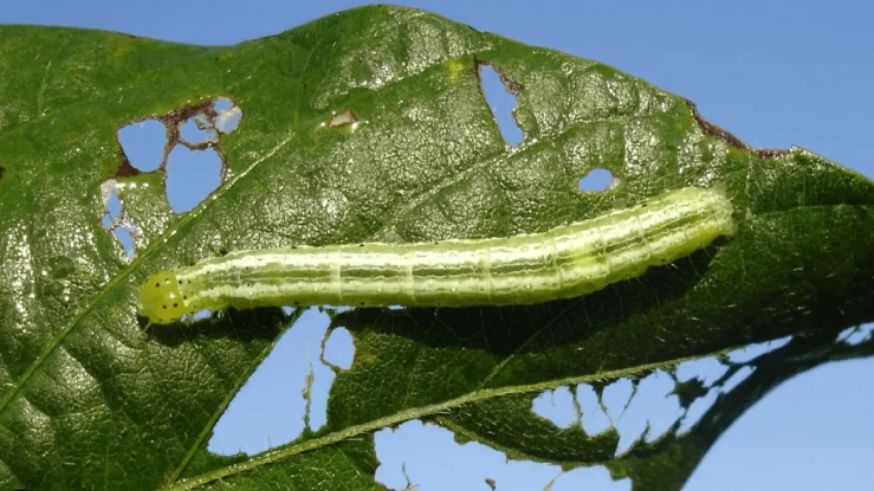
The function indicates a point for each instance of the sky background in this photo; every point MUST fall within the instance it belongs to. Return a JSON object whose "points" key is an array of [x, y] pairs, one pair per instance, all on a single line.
{"points": [[774, 73]]}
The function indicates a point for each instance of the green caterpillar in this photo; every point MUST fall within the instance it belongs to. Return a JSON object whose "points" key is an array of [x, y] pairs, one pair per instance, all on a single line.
{"points": [[567, 261]]}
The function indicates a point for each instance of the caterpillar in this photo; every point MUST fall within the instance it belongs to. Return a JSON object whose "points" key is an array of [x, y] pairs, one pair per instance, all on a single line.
{"points": [[564, 262]]}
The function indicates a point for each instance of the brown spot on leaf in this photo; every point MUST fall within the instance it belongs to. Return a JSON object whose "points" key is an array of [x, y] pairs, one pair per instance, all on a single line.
{"points": [[511, 85], [711, 129], [171, 122], [125, 169], [173, 119], [772, 153]]}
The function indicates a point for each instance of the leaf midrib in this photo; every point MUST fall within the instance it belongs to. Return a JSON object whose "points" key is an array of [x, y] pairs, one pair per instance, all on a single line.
{"points": [[127, 271]]}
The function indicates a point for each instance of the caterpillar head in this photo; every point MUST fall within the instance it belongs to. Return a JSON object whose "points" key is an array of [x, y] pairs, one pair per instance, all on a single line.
{"points": [[161, 301]]}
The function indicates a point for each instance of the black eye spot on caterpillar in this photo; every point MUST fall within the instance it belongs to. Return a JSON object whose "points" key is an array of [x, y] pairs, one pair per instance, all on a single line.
{"points": [[157, 294], [565, 262]]}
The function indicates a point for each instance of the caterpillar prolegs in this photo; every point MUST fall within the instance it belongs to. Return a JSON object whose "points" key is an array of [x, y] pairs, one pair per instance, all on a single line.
{"points": [[564, 262]]}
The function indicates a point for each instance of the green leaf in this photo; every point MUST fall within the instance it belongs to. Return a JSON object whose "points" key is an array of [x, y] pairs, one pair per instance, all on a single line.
{"points": [[92, 401]]}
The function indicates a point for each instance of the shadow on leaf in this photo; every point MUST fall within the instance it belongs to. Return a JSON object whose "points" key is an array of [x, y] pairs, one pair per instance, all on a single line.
{"points": [[244, 325]]}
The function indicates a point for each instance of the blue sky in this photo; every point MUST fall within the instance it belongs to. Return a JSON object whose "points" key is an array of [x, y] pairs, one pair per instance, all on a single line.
{"points": [[774, 73]]}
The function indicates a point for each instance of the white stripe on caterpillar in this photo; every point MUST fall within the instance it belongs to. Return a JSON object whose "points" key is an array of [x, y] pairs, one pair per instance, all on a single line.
{"points": [[564, 262]]}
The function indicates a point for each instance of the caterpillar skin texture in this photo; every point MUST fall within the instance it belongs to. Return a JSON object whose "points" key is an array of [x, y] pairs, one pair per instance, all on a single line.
{"points": [[564, 262]]}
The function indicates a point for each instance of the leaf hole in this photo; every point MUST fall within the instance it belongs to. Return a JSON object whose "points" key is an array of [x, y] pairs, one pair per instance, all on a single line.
{"points": [[192, 175], [200, 314], [856, 335], [598, 180], [125, 236], [113, 219], [415, 455], [502, 104], [642, 410], [144, 143], [303, 363], [227, 115], [198, 130], [339, 349]]}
